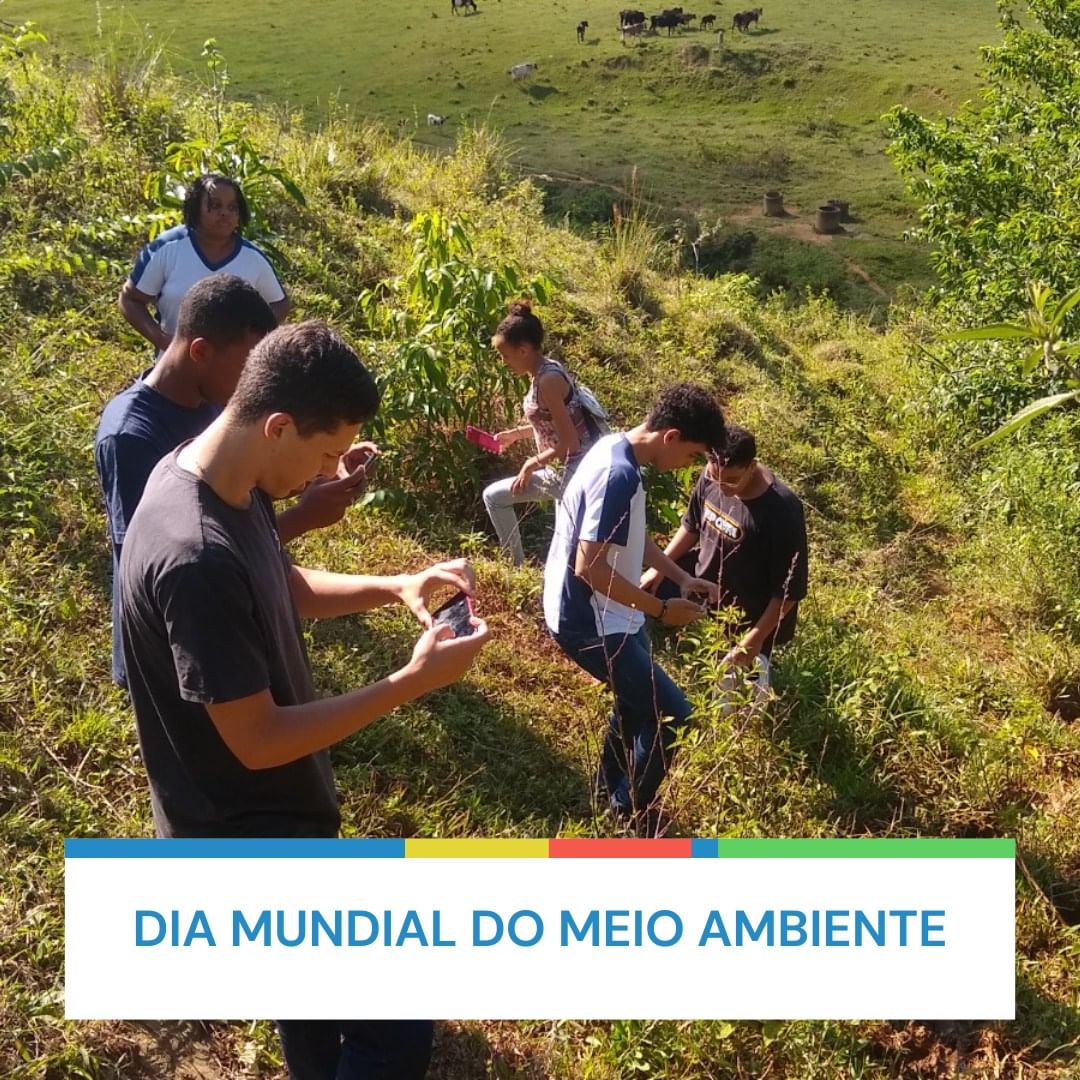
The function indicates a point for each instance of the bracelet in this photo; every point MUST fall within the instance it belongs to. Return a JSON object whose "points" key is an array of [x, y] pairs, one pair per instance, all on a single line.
{"points": [[663, 611]]}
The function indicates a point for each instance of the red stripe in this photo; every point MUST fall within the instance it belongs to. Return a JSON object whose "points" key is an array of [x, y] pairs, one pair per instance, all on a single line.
{"points": [[620, 849]]}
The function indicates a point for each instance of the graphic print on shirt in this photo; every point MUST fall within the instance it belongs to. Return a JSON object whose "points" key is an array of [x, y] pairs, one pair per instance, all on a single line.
{"points": [[714, 518]]}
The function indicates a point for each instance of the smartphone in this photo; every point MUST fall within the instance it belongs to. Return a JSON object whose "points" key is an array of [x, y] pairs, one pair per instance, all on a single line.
{"points": [[484, 439], [457, 613]]}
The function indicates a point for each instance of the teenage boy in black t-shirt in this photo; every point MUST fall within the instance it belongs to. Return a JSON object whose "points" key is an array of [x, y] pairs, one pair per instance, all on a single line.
{"points": [[233, 736], [745, 530]]}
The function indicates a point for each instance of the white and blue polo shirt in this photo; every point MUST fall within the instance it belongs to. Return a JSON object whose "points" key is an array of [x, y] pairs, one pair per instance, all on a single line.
{"points": [[603, 502], [171, 263]]}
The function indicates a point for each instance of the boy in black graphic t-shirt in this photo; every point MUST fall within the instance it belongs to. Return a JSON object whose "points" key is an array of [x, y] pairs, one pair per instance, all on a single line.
{"points": [[745, 530]]}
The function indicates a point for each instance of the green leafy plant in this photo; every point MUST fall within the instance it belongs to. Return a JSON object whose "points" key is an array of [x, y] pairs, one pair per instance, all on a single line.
{"points": [[231, 153], [436, 367], [1042, 328], [16, 43], [51, 157]]}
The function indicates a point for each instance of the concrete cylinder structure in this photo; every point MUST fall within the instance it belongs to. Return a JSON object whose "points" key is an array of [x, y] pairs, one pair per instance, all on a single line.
{"points": [[843, 206], [828, 219], [773, 204]]}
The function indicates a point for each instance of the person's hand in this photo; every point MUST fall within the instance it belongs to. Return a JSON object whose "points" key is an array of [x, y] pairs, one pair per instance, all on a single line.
{"points": [[650, 580], [415, 590], [738, 657], [695, 586], [521, 481], [359, 456], [680, 612], [506, 439], [324, 502], [440, 659]]}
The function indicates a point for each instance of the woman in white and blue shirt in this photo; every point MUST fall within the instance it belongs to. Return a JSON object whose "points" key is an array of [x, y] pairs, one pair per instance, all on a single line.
{"points": [[209, 242]]}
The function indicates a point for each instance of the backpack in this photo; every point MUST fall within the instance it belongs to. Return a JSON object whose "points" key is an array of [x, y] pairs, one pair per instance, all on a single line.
{"points": [[595, 413]]}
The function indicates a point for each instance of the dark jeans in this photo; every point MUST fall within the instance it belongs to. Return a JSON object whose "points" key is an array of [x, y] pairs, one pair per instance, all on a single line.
{"points": [[356, 1049], [637, 748]]}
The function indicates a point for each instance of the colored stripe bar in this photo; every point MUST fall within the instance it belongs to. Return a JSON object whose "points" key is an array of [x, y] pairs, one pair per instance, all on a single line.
{"points": [[476, 849], [234, 848], [867, 848], [621, 849]]}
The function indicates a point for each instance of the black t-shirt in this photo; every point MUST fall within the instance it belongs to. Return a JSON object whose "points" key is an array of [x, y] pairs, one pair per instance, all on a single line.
{"points": [[754, 549], [207, 616]]}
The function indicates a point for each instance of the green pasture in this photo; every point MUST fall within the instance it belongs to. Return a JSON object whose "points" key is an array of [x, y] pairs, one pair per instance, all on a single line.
{"points": [[793, 105]]}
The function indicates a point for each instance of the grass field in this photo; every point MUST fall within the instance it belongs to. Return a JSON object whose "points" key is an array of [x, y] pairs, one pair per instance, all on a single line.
{"points": [[793, 105], [933, 689]]}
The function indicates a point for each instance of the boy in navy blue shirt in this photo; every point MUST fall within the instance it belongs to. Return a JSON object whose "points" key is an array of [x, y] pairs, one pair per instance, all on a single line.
{"points": [[220, 321]]}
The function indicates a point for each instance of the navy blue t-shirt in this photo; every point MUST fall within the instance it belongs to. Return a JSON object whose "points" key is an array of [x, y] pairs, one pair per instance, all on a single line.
{"points": [[137, 429]]}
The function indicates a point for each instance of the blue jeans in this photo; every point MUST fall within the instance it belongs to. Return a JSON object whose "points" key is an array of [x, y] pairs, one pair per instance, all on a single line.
{"points": [[356, 1049], [638, 747]]}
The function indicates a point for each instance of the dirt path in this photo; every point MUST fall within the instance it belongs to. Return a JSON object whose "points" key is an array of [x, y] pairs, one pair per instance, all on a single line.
{"points": [[793, 224]]}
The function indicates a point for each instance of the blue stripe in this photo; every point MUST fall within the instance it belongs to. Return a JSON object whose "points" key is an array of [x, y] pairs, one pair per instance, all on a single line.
{"points": [[704, 849], [234, 848], [169, 236], [266, 258]]}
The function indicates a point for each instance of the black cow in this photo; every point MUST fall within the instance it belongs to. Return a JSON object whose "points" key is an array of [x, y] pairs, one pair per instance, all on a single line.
{"points": [[581, 28], [630, 18], [455, 4], [707, 21], [669, 19], [743, 19]]}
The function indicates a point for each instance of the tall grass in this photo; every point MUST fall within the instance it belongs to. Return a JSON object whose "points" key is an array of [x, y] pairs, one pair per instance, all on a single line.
{"points": [[932, 688]]}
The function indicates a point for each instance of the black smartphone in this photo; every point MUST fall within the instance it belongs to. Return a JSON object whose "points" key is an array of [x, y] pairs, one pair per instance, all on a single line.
{"points": [[457, 613]]}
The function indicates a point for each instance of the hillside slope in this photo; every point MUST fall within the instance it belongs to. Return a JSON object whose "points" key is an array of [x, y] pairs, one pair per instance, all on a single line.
{"points": [[933, 688]]}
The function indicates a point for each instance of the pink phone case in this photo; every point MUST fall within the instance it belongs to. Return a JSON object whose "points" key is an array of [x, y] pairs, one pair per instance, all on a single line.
{"points": [[483, 439]]}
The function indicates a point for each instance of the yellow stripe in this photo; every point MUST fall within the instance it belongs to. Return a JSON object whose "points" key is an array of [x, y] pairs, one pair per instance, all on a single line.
{"points": [[476, 849]]}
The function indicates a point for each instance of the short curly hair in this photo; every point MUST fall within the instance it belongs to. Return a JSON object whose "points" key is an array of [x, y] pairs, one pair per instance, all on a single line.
{"points": [[308, 371], [193, 199], [693, 411]]}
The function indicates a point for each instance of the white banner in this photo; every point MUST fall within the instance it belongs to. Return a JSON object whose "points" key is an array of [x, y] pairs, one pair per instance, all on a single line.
{"points": [[558, 938]]}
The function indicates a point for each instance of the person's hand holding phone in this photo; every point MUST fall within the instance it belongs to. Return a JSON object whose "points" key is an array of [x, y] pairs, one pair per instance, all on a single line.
{"points": [[358, 462], [415, 590], [439, 658]]}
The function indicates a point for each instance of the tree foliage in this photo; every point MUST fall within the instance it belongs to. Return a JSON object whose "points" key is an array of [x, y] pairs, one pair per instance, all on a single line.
{"points": [[998, 184]]}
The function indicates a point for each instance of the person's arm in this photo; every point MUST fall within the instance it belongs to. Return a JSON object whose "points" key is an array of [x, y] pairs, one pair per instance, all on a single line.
{"points": [[591, 566], [134, 306], [324, 502], [745, 652], [263, 735], [124, 463], [657, 560], [507, 438], [321, 595], [551, 391], [682, 542]]}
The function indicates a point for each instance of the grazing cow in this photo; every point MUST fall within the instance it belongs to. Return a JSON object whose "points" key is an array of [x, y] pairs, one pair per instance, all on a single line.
{"points": [[581, 28], [435, 120], [707, 21], [631, 30], [630, 18], [743, 19], [455, 4], [522, 71], [686, 20], [669, 19]]}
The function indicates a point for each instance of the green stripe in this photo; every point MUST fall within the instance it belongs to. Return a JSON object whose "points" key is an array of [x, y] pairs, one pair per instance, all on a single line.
{"points": [[867, 848]]}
